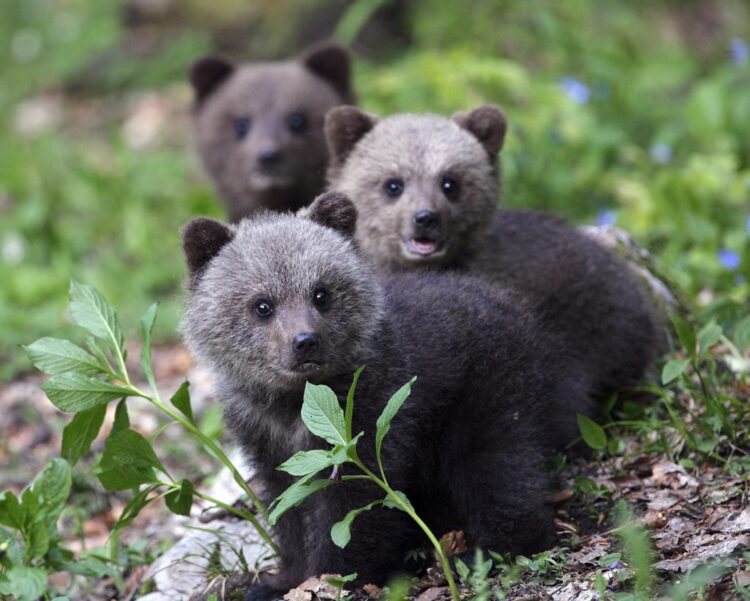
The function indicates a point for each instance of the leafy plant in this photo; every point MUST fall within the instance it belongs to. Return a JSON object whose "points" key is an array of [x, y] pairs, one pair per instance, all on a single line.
{"points": [[85, 381], [323, 416]]}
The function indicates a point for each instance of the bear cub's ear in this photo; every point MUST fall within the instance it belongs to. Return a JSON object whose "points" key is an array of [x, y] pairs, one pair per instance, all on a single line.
{"points": [[344, 127], [488, 124], [206, 74], [202, 239], [333, 210], [331, 62]]}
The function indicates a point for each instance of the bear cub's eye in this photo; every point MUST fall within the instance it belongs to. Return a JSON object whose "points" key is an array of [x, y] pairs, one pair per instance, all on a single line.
{"points": [[321, 298], [450, 187], [394, 187], [263, 308], [297, 123], [241, 126]]}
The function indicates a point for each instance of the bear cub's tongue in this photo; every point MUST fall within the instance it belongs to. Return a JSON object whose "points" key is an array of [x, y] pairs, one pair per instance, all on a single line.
{"points": [[422, 246]]}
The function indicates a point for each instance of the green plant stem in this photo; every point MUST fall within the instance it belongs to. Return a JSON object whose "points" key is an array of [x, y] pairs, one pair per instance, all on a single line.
{"points": [[425, 528], [221, 456]]}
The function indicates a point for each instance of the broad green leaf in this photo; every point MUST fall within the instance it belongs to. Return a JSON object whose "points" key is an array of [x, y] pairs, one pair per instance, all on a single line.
{"points": [[391, 504], [463, 570], [74, 393], [294, 495], [708, 336], [343, 453], [180, 500], [52, 488], [349, 410], [89, 566], [181, 400], [673, 369], [593, 434], [97, 351], [322, 414], [24, 583], [741, 335], [340, 581], [147, 327], [122, 420], [389, 412], [55, 356], [128, 461], [11, 512], [36, 536], [92, 311], [685, 334], [341, 531], [81, 432], [305, 463]]}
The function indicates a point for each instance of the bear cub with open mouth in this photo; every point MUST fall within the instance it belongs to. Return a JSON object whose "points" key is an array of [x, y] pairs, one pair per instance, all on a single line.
{"points": [[280, 300]]}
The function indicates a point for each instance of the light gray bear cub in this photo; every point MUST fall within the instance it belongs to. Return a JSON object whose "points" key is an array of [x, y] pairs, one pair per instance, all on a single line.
{"points": [[259, 126], [280, 300], [426, 190]]}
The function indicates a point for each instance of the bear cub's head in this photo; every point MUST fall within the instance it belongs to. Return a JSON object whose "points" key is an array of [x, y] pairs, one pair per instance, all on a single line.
{"points": [[280, 299], [259, 126], [425, 187]]}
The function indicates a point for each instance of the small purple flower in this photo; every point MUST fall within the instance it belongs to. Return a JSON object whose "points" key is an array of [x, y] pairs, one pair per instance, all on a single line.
{"points": [[729, 259], [608, 217], [661, 153], [616, 565], [576, 90], [739, 51]]}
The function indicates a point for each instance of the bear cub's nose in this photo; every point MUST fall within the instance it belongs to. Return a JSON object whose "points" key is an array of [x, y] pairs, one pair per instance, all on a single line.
{"points": [[305, 343], [269, 157], [426, 219]]}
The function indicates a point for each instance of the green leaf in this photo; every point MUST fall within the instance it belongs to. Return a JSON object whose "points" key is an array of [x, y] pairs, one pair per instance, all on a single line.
{"points": [[52, 488], [322, 414], [673, 369], [133, 508], [55, 356], [36, 536], [122, 420], [389, 412], [593, 434], [128, 461], [294, 495], [74, 393], [341, 531], [97, 351], [90, 567], [708, 336], [741, 335], [24, 583], [391, 504], [685, 334], [306, 463], [181, 400], [81, 432], [349, 410], [11, 512], [180, 500], [91, 310], [343, 453], [147, 327], [340, 581]]}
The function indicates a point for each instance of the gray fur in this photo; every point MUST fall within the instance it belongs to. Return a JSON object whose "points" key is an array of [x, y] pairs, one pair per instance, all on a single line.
{"points": [[266, 94]]}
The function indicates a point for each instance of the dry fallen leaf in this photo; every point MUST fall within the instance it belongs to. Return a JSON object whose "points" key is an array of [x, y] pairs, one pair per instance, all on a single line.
{"points": [[434, 592]]}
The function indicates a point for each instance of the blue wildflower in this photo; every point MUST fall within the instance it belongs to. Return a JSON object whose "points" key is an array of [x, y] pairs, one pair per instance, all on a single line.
{"points": [[616, 565], [729, 259], [576, 90], [739, 51], [661, 153], [608, 217]]}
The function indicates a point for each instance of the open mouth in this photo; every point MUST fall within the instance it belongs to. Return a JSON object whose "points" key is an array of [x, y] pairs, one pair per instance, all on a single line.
{"points": [[423, 247]]}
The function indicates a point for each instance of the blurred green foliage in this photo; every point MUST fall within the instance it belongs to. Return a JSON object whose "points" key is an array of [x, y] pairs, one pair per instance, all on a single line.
{"points": [[635, 113]]}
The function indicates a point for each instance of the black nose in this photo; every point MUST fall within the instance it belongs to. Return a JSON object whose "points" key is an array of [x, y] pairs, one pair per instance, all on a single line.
{"points": [[426, 219], [305, 343], [269, 157]]}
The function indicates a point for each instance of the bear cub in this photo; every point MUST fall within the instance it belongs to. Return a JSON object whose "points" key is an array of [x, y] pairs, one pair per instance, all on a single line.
{"points": [[426, 189], [259, 126], [279, 300]]}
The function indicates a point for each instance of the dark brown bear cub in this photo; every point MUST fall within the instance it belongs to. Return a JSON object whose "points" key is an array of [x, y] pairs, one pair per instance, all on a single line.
{"points": [[426, 189], [280, 300], [259, 126]]}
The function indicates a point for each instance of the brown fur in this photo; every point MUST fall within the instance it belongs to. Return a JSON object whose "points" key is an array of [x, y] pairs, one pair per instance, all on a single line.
{"points": [[270, 166]]}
